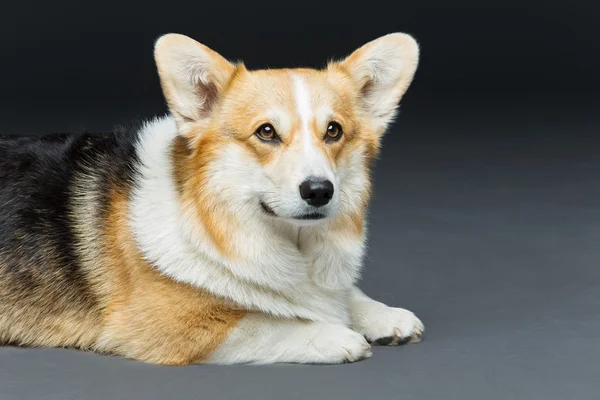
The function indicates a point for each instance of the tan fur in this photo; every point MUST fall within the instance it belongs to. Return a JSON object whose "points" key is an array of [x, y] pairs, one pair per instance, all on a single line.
{"points": [[216, 220], [45, 313], [150, 317]]}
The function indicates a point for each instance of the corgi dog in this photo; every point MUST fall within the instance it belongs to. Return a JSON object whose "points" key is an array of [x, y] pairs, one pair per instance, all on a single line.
{"points": [[230, 231]]}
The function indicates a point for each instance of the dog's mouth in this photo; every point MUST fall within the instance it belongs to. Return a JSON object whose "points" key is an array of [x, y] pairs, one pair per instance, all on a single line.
{"points": [[304, 217], [310, 216]]}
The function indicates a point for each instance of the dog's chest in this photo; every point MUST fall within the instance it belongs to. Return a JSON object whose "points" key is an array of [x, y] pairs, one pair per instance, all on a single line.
{"points": [[333, 258]]}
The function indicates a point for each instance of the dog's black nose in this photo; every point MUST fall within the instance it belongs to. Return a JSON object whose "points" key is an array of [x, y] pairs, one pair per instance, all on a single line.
{"points": [[316, 192]]}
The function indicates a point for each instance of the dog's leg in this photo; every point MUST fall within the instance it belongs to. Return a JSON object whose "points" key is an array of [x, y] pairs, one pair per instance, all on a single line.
{"points": [[262, 339], [382, 324]]}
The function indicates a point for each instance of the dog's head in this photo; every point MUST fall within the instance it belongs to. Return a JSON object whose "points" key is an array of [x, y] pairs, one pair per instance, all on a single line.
{"points": [[295, 145]]}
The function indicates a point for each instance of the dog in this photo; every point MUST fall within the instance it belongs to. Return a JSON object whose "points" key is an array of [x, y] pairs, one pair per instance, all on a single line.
{"points": [[232, 230]]}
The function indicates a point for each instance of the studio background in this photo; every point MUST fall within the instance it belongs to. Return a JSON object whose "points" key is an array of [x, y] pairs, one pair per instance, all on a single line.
{"points": [[485, 219]]}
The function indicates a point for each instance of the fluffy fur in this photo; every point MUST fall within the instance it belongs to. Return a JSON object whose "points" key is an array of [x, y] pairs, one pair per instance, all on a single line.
{"points": [[186, 240]]}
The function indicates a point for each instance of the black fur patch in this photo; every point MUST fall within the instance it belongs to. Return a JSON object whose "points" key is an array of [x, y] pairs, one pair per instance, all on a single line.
{"points": [[36, 188]]}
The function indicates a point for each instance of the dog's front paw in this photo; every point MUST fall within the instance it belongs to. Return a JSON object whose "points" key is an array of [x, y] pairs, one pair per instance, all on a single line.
{"points": [[335, 344], [391, 326]]}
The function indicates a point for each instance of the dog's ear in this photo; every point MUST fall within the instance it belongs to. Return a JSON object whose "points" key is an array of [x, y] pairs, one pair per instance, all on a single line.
{"points": [[192, 77], [382, 71]]}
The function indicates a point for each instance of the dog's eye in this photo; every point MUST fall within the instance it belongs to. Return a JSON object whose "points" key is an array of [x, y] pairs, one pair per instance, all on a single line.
{"points": [[334, 132], [266, 132]]}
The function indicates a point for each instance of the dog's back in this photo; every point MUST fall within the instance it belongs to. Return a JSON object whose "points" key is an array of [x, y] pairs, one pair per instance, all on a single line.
{"points": [[46, 295]]}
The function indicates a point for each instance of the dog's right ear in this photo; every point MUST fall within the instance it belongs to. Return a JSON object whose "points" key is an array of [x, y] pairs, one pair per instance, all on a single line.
{"points": [[192, 77]]}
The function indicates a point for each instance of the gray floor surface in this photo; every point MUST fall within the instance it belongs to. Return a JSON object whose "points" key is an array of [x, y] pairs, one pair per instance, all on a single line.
{"points": [[491, 235]]}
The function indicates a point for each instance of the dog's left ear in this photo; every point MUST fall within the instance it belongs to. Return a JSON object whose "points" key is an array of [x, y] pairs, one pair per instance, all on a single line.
{"points": [[193, 78], [382, 71]]}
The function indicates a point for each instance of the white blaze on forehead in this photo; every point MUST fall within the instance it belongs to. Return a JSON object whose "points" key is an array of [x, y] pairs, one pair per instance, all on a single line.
{"points": [[304, 108], [314, 162]]}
